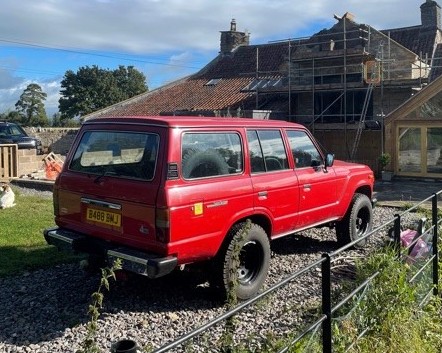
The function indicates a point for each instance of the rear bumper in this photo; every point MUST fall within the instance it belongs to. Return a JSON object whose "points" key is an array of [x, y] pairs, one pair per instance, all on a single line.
{"points": [[147, 264]]}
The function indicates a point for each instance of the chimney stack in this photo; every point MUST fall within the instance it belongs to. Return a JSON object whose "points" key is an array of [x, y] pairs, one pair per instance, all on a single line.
{"points": [[230, 40], [430, 14]]}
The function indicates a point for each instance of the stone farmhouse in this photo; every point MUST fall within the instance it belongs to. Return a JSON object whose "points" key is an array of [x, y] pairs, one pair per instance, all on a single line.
{"points": [[353, 85]]}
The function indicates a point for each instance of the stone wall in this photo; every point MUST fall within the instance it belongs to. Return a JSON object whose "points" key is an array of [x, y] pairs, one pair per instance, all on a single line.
{"points": [[57, 140], [29, 164]]}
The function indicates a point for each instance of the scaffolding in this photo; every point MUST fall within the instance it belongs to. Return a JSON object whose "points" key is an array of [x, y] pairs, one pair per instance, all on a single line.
{"points": [[334, 75]]}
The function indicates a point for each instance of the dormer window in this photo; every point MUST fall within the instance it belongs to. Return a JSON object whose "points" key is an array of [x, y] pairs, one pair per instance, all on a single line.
{"points": [[213, 82]]}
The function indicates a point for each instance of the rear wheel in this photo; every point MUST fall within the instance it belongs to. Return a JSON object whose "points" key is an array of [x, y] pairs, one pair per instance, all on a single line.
{"points": [[245, 260], [357, 222]]}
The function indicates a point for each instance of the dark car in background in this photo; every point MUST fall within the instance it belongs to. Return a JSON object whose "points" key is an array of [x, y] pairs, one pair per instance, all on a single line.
{"points": [[13, 133]]}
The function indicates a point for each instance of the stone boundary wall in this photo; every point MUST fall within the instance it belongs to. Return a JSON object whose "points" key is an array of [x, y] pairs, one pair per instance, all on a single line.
{"points": [[53, 139]]}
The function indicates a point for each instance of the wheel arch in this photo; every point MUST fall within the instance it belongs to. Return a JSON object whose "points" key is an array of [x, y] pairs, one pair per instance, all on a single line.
{"points": [[260, 219], [364, 189]]}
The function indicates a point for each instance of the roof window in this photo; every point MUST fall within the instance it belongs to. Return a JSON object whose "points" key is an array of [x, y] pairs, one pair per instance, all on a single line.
{"points": [[213, 82], [262, 83]]}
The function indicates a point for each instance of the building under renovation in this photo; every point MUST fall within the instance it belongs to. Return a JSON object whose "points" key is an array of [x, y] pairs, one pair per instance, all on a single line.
{"points": [[342, 82]]}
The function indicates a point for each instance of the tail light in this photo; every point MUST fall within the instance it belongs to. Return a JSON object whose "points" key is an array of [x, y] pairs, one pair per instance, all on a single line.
{"points": [[162, 225]]}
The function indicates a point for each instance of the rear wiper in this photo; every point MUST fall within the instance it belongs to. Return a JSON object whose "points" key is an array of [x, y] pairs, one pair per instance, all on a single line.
{"points": [[105, 173]]}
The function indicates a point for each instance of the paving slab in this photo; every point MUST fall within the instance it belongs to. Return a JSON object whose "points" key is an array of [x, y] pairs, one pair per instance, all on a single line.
{"points": [[400, 192]]}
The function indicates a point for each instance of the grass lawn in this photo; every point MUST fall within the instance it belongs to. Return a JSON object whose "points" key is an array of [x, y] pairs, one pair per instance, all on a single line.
{"points": [[22, 244]]}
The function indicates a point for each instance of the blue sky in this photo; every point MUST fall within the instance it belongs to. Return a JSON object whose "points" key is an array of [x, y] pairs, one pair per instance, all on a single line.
{"points": [[165, 39]]}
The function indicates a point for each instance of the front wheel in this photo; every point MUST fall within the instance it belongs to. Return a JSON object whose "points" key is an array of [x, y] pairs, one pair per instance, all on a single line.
{"points": [[244, 264], [357, 222]]}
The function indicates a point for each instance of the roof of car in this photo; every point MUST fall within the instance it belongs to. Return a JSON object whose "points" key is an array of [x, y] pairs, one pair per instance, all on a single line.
{"points": [[192, 121], [3, 122]]}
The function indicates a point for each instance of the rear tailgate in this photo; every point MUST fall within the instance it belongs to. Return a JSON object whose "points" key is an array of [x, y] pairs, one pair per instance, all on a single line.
{"points": [[112, 209], [109, 185]]}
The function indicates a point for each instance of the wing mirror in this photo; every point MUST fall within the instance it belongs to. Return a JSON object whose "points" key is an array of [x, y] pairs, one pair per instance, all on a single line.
{"points": [[329, 160]]}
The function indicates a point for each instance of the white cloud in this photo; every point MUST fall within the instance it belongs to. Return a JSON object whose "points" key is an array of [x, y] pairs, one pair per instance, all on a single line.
{"points": [[147, 26], [52, 89], [186, 32]]}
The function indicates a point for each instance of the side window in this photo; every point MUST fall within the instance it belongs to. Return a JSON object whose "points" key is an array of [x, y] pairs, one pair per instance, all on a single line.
{"points": [[305, 153], [255, 152], [211, 154], [267, 152]]}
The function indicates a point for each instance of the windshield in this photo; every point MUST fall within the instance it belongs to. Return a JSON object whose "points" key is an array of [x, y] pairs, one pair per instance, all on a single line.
{"points": [[11, 130], [121, 154]]}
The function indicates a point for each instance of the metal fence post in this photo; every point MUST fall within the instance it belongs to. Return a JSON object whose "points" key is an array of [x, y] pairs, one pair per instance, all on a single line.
{"points": [[397, 233], [435, 247], [326, 304]]}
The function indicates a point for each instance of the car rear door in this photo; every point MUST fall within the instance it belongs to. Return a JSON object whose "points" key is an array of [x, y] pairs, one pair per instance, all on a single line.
{"points": [[275, 189]]}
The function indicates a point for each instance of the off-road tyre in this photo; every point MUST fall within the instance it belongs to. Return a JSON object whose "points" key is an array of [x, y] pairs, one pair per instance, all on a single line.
{"points": [[357, 222], [254, 262]]}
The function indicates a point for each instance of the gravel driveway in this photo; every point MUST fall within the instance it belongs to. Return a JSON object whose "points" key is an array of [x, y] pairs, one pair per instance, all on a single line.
{"points": [[46, 310]]}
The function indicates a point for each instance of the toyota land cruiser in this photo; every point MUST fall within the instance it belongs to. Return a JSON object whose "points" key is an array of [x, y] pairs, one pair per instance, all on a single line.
{"points": [[164, 192]]}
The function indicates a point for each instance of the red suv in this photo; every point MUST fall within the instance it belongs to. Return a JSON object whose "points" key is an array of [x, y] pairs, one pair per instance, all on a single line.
{"points": [[164, 192]]}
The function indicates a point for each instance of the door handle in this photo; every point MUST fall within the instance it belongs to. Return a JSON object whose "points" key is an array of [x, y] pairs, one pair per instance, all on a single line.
{"points": [[307, 187], [262, 193]]}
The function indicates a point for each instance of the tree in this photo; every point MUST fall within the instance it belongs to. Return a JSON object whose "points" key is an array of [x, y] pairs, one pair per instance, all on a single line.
{"points": [[56, 121], [31, 107], [93, 88], [130, 81], [12, 115]]}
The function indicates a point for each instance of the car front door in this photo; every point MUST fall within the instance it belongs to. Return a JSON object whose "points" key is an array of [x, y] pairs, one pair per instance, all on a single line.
{"points": [[317, 184]]}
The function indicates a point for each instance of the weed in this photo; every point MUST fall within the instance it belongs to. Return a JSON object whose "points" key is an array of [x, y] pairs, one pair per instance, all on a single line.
{"points": [[389, 312], [232, 299], [89, 345]]}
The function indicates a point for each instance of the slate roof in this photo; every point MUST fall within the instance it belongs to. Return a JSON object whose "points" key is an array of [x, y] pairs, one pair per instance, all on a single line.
{"points": [[436, 70], [418, 39], [243, 62]]}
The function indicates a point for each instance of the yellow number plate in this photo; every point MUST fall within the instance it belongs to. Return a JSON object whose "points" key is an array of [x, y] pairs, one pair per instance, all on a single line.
{"points": [[109, 218]]}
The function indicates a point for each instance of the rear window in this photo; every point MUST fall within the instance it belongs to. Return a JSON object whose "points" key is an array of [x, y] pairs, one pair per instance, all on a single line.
{"points": [[121, 154]]}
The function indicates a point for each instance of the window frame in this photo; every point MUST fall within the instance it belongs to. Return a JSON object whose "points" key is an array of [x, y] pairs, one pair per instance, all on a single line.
{"points": [[116, 169], [294, 151], [212, 153], [283, 164]]}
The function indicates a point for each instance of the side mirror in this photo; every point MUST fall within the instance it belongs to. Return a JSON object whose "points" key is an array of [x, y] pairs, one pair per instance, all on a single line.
{"points": [[329, 160]]}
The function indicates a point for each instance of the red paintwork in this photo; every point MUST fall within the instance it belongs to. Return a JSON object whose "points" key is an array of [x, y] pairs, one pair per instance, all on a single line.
{"points": [[296, 198]]}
